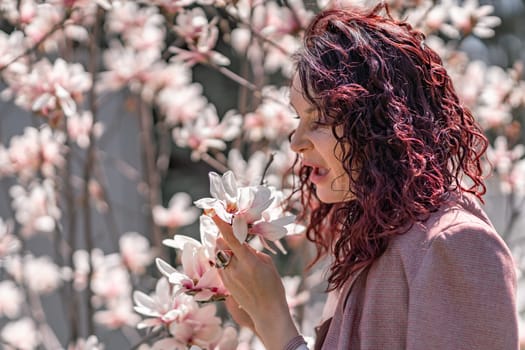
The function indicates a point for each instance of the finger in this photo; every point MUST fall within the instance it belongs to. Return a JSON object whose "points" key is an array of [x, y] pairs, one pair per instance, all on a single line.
{"points": [[220, 243], [227, 233], [231, 303]]}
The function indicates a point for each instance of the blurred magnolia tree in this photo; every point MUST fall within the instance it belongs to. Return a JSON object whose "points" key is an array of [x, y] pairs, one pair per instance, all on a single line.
{"points": [[61, 60]]}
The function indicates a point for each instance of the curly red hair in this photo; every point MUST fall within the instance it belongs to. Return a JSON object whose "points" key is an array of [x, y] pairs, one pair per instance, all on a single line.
{"points": [[407, 140]]}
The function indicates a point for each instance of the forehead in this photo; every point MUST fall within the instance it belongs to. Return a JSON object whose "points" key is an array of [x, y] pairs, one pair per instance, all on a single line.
{"points": [[297, 98]]}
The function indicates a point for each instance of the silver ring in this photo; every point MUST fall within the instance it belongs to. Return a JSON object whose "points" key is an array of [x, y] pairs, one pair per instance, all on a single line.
{"points": [[223, 258]]}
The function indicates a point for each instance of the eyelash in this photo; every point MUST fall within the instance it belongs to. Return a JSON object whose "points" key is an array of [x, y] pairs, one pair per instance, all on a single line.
{"points": [[314, 125], [317, 124]]}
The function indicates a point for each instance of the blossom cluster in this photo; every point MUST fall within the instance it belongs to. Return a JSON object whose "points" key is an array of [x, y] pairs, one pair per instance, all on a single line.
{"points": [[65, 65], [253, 210]]}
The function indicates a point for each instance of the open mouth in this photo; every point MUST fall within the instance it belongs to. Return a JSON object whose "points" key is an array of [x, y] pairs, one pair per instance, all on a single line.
{"points": [[320, 171], [318, 174]]}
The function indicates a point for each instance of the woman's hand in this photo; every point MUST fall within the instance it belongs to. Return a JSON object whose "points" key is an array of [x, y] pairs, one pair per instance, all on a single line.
{"points": [[238, 314], [255, 285]]}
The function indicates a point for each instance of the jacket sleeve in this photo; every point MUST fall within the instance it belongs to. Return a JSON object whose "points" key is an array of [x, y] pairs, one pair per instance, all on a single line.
{"points": [[463, 294]]}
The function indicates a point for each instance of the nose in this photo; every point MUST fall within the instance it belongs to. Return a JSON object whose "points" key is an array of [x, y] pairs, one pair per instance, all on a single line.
{"points": [[299, 142]]}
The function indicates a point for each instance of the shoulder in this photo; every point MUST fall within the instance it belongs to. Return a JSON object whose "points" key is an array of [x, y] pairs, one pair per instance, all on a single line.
{"points": [[458, 233]]}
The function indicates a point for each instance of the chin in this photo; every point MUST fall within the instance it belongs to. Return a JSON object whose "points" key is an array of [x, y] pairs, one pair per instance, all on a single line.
{"points": [[330, 196]]}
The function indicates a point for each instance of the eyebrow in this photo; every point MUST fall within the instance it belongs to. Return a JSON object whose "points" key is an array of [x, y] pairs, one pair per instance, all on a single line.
{"points": [[308, 110]]}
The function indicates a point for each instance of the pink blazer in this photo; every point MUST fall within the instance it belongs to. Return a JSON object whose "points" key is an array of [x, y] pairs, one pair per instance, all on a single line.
{"points": [[449, 283]]}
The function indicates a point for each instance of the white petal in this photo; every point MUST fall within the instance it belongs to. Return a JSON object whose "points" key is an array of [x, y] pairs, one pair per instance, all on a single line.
{"points": [[177, 278], [269, 230], [41, 101], [230, 184], [240, 228], [216, 186], [179, 241], [164, 268], [206, 203], [143, 300]]}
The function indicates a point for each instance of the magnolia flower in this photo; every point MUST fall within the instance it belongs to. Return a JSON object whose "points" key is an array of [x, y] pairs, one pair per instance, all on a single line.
{"points": [[135, 252], [41, 274], [247, 172], [277, 58], [198, 327], [91, 343], [188, 324], [80, 127], [179, 213], [128, 16], [515, 181], [12, 9], [110, 284], [101, 264], [501, 157], [11, 299], [81, 269], [181, 104], [273, 119], [228, 340], [472, 82], [12, 46], [173, 6], [161, 307], [468, 17], [190, 24], [20, 335], [207, 132], [250, 172], [9, 244], [119, 313], [199, 276], [141, 27], [193, 325], [36, 150], [35, 208], [127, 66], [201, 38], [291, 287], [274, 224], [248, 209], [163, 76], [52, 90], [13, 265], [83, 4], [39, 20]]}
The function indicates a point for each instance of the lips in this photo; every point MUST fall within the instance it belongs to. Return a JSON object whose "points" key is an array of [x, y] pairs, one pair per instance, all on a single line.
{"points": [[318, 173], [321, 171]]}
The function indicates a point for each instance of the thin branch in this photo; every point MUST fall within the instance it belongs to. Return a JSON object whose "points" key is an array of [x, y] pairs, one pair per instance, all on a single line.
{"points": [[243, 82], [235, 77], [46, 36], [163, 158], [255, 32], [151, 175], [89, 163], [267, 166], [147, 338], [214, 163]]}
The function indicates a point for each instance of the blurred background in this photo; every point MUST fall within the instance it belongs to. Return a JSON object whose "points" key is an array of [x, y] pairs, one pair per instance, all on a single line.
{"points": [[112, 113]]}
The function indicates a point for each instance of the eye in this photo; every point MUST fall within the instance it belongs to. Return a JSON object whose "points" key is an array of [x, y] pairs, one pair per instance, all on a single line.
{"points": [[318, 124]]}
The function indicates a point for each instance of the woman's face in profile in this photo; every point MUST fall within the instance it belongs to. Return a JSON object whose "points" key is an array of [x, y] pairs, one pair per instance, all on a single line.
{"points": [[316, 145]]}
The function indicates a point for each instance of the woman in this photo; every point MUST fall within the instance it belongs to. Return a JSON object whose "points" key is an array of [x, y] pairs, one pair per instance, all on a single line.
{"points": [[390, 169]]}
